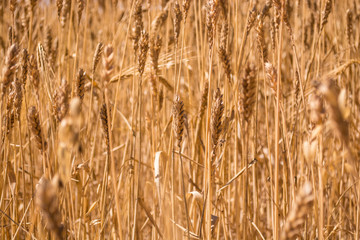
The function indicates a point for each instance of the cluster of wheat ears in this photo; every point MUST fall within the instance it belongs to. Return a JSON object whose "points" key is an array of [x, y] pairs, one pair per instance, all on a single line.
{"points": [[179, 119]]}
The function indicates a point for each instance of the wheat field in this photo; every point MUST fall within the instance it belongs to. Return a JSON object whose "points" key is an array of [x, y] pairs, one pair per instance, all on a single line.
{"points": [[180, 119]]}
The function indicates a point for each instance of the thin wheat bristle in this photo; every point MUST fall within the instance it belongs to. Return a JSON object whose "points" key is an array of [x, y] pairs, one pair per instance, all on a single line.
{"points": [[178, 119]]}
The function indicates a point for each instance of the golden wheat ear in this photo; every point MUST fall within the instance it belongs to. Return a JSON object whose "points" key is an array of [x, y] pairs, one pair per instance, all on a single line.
{"points": [[297, 215], [178, 119], [35, 127], [47, 201]]}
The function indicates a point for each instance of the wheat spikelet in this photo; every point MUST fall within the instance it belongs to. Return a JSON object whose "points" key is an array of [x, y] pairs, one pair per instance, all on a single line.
{"points": [[178, 16], [139, 25], [225, 61], [159, 21], [9, 116], [35, 127], [331, 92], [12, 5], [297, 215], [31, 4], [273, 33], [247, 96], [224, 7], [80, 84], [217, 111], [325, 14], [349, 25], [34, 75], [186, 7], [211, 17], [222, 51], [18, 97], [48, 42], [24, 66], [297, 88], [9, 67], [153, 85], [251, 20], [160, 99], [10, 35], [178, 119], [224, 35], [266, 9], [24, 19], [61, 101], [65, 10], [271, 76], [97, 56], [261, 39], [316, 107], [47, 201], [54, 52], [80, 7], [203, 101], [108, 63], [144, 47], [104, 124], [276, 21], [155, 47], [59, 5], [288, 25]]}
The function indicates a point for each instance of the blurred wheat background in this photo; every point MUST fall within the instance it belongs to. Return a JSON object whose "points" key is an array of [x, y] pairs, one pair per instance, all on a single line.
{"points": [[179, 119]]}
